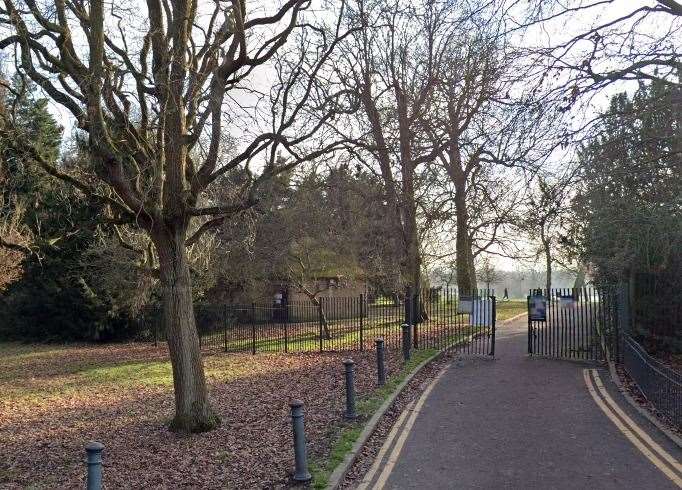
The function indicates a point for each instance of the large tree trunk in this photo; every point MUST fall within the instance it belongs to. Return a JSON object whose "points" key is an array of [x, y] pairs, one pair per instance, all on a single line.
{"points": [[192, 408], [413, 257], [413, 263], [466, 272], [547, 249]]}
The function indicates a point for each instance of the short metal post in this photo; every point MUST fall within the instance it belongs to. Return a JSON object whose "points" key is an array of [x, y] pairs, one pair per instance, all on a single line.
{"points": [[408, 305], [362, 314], [350, 389], [530, 328], [494, 324], [319, 317], [156, 331], [381, 367], [253, 328], [286, 332], [301, 473], [94, 452], [407, 341], [225, 327]]}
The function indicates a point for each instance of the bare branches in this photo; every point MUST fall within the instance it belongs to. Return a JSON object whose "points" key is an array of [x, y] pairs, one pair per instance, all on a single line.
{"points": [[604, 46], [17, 247], [144, 121], [209, 225]]}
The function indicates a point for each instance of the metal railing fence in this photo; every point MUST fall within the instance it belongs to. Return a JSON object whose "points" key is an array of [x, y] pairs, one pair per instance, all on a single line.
{"points": [[444, 318], [661, 385]]}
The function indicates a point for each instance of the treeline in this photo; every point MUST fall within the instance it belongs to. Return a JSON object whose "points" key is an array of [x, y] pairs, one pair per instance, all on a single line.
{"points": [[627, 223], [68, 274]]}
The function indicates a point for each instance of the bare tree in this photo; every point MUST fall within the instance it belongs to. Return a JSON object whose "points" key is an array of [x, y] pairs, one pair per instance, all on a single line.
{"points": [[487, 128], [488, 273], [308, 269], [446, 273], [546, 209], [392, 63], [155, 86]]}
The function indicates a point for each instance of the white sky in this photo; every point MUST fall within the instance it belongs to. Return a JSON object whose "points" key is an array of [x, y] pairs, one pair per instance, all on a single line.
{"points": [[548, 34]]}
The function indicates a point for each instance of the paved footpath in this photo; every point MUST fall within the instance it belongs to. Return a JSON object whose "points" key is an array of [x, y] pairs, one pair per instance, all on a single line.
{"points": [[521, 423]]}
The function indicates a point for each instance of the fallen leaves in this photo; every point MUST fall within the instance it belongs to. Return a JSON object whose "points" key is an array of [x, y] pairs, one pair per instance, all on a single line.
{"points": [[51, 405]]}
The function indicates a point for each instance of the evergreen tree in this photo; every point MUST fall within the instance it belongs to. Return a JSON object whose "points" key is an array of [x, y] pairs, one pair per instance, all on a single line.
{"points": [[49, 301], [629, 207]]}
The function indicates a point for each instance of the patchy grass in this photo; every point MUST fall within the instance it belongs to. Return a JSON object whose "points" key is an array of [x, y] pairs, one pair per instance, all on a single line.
{"points": [[508, 309], [156, 373], [321, 471], [54, 399], [346, 435]]}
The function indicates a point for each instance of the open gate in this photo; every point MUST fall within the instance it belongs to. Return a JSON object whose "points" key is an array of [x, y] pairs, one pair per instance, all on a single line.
{"points": [[453, 320], [568, 323]]}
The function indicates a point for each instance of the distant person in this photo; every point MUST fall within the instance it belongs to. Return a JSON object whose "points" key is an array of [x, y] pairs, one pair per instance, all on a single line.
{"points": [[506, 294]]}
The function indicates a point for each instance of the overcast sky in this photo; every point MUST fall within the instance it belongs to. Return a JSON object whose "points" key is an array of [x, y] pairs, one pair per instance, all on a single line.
{"points": [[548, 34]]}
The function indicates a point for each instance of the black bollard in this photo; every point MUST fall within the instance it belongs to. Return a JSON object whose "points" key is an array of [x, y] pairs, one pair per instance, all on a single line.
{"points": [[301, 473], [381, 368], [350, 389], [94, 452]]}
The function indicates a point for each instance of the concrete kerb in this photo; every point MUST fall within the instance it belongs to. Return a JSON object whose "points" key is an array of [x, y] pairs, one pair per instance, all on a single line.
{"points": [[514, 317], [342, 469]]}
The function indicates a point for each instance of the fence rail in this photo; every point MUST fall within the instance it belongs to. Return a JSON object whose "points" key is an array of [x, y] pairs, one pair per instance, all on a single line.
{"points": [[440, 318], [661, 385], [566, 323]]}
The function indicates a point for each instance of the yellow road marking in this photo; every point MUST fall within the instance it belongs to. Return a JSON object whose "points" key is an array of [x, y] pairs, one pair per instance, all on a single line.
{"points": [[395, 453], [643, 435], [382, 452], [629, 434]]}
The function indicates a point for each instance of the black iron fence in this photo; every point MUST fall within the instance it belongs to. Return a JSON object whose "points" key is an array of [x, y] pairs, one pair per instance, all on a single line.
{"points": [[565, 323], [588, 324], [440, 319], [661, 385]]}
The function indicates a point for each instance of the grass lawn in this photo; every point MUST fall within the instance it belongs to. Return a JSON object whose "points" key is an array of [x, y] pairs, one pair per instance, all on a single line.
{"points": [[508, 309], [304, 336], [54, 399]]}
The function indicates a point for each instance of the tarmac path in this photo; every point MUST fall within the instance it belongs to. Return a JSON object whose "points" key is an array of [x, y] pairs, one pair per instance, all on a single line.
{"points": [[521, 423]]}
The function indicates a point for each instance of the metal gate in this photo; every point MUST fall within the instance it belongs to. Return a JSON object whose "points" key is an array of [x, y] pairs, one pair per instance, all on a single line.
{"points": [[453, 320], [568, 323]]}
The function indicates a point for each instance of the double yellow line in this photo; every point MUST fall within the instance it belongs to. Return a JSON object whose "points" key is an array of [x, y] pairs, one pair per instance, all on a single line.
{"points": [[393, 446], [662, 459]]}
